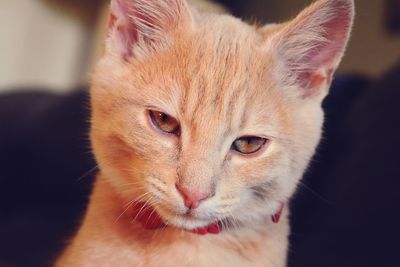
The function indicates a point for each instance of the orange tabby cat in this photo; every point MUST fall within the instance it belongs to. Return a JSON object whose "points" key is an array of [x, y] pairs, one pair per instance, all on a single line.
{"points": [[202, 126]]}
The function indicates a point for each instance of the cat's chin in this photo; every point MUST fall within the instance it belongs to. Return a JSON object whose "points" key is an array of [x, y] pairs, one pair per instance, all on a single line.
{"points": [[185, 221], [152, 217]]}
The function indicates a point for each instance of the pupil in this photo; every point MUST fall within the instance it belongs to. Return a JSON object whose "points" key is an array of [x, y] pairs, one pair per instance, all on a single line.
{"points": [[163, 117]]}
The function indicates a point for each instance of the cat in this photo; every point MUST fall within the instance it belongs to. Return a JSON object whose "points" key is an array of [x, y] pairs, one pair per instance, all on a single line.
{"points": [[202, 126]]}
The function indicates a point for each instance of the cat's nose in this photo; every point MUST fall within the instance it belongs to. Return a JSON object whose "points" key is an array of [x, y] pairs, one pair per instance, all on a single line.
{"points": [[191, 198]]}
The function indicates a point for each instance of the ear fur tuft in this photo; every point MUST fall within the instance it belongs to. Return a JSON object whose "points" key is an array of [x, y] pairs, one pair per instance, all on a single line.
{"points": [[144, 23]]}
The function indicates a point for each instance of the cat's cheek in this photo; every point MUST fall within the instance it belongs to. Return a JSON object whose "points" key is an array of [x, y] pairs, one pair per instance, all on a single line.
{"points": [[245, 197], [119, 163]]}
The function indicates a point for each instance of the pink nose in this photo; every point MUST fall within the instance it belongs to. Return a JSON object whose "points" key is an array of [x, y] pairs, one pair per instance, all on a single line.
{"points": [[191, 199]]}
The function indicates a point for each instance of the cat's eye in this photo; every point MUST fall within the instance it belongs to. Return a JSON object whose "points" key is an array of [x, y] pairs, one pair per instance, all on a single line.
{"points": [[249, 144], [164, 122]]}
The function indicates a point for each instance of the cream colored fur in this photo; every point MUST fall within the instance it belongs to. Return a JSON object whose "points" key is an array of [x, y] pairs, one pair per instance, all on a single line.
{"points": [[222, 79]]}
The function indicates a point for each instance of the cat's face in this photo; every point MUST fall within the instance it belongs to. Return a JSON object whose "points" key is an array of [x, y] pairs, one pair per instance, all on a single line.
{"points": [[210, 108]]}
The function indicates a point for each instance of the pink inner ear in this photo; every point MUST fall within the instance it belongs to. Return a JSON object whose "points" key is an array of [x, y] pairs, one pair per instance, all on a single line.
{"points": [[122, 28], [325, 50], [336, 34]]}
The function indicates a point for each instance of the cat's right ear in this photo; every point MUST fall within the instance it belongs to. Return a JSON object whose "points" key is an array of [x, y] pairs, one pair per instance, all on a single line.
{"points": [[136, 27]]}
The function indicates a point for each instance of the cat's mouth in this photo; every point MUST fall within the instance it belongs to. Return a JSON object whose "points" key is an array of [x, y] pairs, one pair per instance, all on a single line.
{"points": [[151, 219]]}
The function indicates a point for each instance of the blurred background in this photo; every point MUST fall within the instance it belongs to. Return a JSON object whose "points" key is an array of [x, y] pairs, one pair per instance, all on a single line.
{"points": [[54, 43], [346, 210]]}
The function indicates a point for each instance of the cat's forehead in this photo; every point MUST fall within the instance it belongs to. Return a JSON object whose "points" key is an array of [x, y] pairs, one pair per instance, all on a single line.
{"points": [[221, 53], [224, 40], [228, 73], [216, 77]]}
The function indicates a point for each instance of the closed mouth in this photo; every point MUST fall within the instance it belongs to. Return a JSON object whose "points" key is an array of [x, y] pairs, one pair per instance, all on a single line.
{"points": [[151, 220]]}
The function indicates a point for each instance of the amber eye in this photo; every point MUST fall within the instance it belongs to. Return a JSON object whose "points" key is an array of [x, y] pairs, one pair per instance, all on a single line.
{"points": [[248, 144], [164, 122]]}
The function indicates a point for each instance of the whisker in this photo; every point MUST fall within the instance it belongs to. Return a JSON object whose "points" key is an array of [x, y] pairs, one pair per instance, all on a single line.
{"points": [[138, 198], [315, 193], [143, 208], [87, 173], [235, 222], [133, 183], [224, 225], [130, 204]]}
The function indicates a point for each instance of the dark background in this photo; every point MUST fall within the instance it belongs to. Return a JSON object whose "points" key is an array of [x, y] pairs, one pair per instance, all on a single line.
{"points": [[344, 214]]}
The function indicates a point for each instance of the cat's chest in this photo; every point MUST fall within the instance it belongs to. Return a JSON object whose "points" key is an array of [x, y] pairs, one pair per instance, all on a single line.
{"points": [[210, 251], [202, 254]]}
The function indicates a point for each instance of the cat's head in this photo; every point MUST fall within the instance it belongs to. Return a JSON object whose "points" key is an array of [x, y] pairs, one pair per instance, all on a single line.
{"points": [[206, 117]]}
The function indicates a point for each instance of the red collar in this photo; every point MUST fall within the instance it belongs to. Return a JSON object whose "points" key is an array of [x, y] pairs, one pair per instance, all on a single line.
{"points": [[151, 220]]}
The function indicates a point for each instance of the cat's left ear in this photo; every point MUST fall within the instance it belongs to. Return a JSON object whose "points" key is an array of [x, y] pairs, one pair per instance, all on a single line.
{"points": [[144, 25], [310, 47]]}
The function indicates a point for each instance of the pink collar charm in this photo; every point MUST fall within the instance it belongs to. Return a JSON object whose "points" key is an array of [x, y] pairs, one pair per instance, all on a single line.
{"points": [[214, 229], [277, 216]]}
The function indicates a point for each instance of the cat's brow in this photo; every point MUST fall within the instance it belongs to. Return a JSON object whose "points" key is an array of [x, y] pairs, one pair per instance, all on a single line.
{"points": [[123, 102]]}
